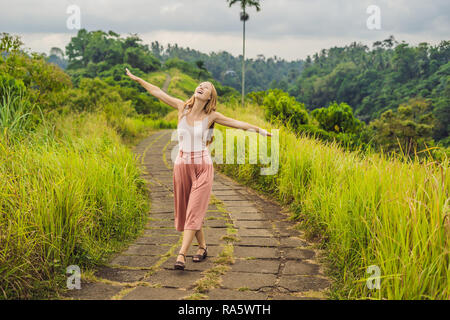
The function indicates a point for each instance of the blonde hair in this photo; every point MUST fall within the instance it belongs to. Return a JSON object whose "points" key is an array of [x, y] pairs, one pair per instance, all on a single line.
{"points": [[209, 107]]}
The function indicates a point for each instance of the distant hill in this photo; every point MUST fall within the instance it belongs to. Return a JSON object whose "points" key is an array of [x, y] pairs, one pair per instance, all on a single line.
{"points": [[261, 73]]}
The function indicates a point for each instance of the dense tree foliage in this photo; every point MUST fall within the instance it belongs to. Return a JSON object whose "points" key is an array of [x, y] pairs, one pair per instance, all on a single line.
{"points": [[109, 49], [409, 128], [285, 108], [261, 73], [337, 118], [380, 79]]}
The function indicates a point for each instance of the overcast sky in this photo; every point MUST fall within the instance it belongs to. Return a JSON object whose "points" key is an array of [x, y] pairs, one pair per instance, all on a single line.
{"points": [[290, 29]]}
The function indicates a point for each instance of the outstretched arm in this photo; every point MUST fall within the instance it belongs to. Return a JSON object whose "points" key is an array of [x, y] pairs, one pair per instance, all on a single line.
{"points": [[233, 123], [157, 92]]}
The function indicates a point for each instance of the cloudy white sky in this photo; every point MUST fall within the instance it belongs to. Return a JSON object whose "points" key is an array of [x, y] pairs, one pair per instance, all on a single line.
{"points": [[290, 29]]}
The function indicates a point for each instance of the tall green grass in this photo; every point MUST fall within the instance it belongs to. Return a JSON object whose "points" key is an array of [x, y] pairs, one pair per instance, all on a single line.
{"points": [[70, 194], [132, 128], [15, 109], [371, 209]]}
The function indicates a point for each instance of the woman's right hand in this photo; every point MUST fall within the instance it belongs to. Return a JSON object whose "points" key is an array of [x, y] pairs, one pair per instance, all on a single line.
{"points": [[264, 132], [132, 76]]}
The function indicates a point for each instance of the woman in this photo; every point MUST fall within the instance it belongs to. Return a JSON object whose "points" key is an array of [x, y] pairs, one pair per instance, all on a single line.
{"points": [[193, 170]]}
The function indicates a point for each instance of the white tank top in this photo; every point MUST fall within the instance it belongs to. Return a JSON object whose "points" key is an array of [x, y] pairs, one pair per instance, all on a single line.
{"points": [[193, 138]]}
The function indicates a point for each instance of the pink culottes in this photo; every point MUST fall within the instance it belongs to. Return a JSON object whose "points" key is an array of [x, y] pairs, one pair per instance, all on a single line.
{"points": [[193, 175]]}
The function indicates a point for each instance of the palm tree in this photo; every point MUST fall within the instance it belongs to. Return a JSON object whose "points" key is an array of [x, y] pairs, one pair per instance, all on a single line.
{"points": [[244, 17]]}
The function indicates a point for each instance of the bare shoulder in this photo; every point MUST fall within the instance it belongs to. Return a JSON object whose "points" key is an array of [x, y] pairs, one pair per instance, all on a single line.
{"points": [[181, 110], [215, 115], [183, 107]]}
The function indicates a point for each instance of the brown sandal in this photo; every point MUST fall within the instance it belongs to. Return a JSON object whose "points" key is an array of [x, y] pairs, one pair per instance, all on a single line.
{"points": [[200, 257], [180, 265]]}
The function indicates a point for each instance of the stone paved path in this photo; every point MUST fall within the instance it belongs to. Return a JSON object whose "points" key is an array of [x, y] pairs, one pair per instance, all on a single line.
{"points": [[254, 253], [165, 86]]}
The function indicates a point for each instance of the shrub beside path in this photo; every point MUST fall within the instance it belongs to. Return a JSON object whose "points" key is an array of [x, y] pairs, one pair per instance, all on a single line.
{"points": [[254, 251]]}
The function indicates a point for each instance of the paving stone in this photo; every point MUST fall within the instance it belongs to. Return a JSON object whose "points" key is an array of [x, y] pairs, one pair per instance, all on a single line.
{"points": [[256, 265], [298, 254], [244, 204], [175, 278], [292, 242], [135, 261], [287, 232], [300, 268], [224, 193], [168, 177], [254, 232], [240, 209], [161, 231], [120, 275], [146, 250], [285, 224], [248, 216], [214, 236], [160, 223], [93, 291], [256, 252], [162, 196], [165, 210], [252, 281], [273, 215], [163, 203], [216, 214], [162, 209], [164, 216], [158, 240], [157, 191], [227, 294], [148, 293], [220, 187], [256, 241], [252, 224], [303, 283], [217, 223], [231, 197]]}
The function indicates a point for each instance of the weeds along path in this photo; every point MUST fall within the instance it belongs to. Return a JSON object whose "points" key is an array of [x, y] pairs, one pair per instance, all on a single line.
{"points": [[254, 253]]}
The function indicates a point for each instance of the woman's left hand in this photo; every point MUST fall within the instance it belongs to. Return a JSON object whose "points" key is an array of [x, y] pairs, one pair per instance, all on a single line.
{"points": [[132, 76], [265, 133]]}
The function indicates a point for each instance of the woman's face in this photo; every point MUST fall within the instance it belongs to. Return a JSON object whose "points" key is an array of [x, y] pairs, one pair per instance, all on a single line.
{"points": [[203, 91]]}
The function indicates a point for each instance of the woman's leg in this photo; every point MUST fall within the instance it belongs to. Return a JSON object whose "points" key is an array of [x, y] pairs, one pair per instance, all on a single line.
{"points": [[188, 236], [199, 200], [201, 241], [182, 184]]}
